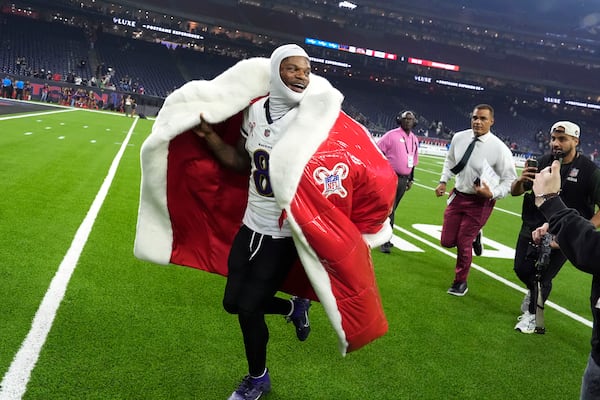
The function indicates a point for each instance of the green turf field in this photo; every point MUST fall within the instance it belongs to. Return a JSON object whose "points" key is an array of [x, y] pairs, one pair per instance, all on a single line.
{"points": [[127, 329]]}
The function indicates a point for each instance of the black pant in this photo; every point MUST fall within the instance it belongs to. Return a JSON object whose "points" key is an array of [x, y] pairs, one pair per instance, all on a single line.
{"points": [[524, 266], [7, 91], [257, 267], [400, 190]]}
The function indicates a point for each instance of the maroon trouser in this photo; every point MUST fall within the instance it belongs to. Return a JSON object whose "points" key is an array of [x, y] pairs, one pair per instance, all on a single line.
{"points": [[464, 217]]}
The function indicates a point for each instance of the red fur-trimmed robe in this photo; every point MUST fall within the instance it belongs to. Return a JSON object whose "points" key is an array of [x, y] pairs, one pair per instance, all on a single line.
{"points": [[334, 186]]}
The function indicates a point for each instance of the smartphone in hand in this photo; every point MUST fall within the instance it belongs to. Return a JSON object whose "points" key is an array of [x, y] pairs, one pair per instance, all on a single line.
{"points": [[531, 162]]}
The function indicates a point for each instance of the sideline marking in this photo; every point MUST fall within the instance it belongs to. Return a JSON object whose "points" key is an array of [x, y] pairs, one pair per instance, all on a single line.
{"points": [[14, 383], [500, 279], [491, 248], [35, 114], [508, 283]]}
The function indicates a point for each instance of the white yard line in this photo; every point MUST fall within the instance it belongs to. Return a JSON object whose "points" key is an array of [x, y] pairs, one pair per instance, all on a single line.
{"points": [[36, 114], [14, 383], [492, 275], [497, 277]]}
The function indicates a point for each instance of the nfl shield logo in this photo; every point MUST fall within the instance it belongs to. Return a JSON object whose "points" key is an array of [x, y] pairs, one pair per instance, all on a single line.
{"points": [[332, 182], [267, 133]]}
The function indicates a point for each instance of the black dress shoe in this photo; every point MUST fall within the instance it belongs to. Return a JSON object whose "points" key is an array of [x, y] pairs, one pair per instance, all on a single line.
{"points": [[386, 247], [458, 289]]}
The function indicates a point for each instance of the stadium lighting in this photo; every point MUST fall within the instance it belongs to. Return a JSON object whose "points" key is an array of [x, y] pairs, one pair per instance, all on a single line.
{"points": [[347, 4]]}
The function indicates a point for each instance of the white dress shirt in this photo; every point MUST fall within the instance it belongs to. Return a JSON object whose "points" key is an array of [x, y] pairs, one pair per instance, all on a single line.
{"points": [[489, 151]]}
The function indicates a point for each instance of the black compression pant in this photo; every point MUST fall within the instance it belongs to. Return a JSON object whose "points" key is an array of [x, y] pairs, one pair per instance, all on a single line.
{"points": [[257, 267]]}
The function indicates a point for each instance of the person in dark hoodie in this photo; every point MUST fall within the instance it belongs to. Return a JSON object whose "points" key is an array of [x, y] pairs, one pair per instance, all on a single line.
{"points": [[580, 243]]}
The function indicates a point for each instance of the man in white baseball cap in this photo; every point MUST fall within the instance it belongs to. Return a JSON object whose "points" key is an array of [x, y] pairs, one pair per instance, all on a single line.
{"points": [[580, 190], [566, 127]]}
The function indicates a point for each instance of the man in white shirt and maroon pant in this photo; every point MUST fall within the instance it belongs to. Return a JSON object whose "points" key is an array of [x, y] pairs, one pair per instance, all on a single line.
{"points": [[401, 147], [484, 170]]}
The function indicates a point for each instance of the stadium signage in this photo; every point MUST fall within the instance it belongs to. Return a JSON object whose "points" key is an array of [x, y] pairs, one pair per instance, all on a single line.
{"points": [[123, 21], [330, 62], [433, 64], [426, 79], [582, 104], [574, 103], [351, 49], [552, 100], [171, 31], [458, 85], [420, 78]]}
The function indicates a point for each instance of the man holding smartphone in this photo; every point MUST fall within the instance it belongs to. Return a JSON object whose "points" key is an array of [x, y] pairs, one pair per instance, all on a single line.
{"points": [[580, 190]]}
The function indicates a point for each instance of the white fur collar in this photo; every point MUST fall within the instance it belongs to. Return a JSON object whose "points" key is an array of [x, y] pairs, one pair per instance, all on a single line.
{"points": [[233, 91], [217, 100]]}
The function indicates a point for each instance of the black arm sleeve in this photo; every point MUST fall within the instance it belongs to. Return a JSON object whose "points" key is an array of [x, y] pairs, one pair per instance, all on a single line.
{"points": [[577, 237]]}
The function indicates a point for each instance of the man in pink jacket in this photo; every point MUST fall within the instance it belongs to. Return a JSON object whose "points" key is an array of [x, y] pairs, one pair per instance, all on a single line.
{"points": [[265, 146]]}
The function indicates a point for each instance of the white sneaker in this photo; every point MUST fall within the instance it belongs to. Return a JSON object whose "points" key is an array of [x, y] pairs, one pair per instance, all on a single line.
{"points": [[525, 302], [526, 323]]}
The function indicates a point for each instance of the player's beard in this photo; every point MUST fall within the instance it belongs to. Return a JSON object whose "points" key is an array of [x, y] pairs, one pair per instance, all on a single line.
{"points": [[558, 154]]}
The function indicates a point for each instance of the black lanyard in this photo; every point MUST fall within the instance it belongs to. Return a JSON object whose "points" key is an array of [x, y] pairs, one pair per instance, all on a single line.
{"points": [[406, 145]]}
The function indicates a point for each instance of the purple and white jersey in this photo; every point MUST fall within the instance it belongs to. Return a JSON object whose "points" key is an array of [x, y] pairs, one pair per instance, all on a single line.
{"points": [[262, 213]]}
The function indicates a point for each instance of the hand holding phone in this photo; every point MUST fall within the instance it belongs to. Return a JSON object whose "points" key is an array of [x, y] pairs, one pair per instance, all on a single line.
{"points": [[531, 162], [528, 174]]}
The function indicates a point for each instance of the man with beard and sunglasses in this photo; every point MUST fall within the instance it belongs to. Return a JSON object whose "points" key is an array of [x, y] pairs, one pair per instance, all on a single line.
{"points": [[580, 190]]}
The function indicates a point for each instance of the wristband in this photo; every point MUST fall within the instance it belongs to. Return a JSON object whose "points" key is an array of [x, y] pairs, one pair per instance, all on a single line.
{"points": [[547, 195]]}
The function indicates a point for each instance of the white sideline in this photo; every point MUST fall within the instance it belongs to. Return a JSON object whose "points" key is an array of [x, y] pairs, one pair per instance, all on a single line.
{"points": [[497, 277], [14, 383], [508, 283], [36, 114]]}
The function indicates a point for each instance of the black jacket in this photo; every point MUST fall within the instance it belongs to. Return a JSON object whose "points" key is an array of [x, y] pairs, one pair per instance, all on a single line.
{"points": [[580, 243], [580, 190]]}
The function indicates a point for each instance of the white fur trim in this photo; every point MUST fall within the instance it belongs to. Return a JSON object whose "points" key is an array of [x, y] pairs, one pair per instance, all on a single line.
{"points": [[379, 238], [320, 282], [154, 235], [217, 100]]}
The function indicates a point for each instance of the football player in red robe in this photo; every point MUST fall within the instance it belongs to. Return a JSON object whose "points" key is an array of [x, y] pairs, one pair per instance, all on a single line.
{"points": [[262, 164]]}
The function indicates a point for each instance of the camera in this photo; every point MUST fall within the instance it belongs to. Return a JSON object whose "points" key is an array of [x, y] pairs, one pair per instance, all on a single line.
{"points": [[540, 252]]}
